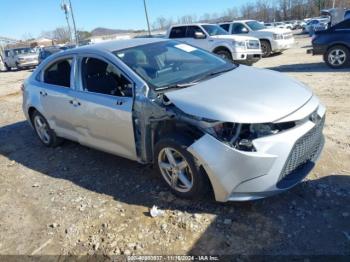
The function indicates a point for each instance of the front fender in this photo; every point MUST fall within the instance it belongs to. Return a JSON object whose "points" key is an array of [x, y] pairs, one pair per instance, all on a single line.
{"points": [[224, 44]]}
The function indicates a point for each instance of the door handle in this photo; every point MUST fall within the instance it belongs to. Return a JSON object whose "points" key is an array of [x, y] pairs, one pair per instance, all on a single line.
{"points": [[43, 93], [120, 102], [75, 103]]}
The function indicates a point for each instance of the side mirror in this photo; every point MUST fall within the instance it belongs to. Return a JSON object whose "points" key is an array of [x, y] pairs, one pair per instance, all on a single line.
{"points": [[199, 35], [244, 30]]}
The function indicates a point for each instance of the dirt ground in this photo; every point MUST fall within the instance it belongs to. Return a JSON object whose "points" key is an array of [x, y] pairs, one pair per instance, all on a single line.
{"points": [[76, 200]]}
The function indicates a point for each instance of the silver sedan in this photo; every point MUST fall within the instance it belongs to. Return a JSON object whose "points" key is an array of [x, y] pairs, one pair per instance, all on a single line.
{"points": [[206, 124]]}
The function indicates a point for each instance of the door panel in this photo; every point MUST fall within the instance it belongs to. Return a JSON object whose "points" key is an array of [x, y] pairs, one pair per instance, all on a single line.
{"points": [[105, 123], [58, 109]]}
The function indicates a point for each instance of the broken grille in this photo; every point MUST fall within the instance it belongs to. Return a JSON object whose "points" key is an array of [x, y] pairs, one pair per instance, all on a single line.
{"points": [[307, 148]]}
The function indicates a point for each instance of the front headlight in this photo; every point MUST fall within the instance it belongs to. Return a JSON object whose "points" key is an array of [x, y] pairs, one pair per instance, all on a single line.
{"points": [[277, 36], [239, 44]]}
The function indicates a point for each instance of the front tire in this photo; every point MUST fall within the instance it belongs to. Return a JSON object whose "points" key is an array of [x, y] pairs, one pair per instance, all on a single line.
{"points": [[337, 57], [266, 48], [178, 168], [225, 54], [8, 68], [44, 132]]}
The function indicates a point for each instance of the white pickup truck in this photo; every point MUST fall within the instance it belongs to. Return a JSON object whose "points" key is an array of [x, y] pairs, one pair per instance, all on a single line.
{"points": [[240, 49], [20, 58], [273, 40]]}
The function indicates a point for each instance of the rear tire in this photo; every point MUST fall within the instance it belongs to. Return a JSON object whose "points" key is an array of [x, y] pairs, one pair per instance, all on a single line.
{"points": [[46, 135], [178, 168], [337, 57], [266, 48]]}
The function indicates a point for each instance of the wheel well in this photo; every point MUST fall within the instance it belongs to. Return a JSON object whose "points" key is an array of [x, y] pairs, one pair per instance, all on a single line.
{"points": [[31, 111], [221, 48], [341, 44], [266, 40], [164, 128], [167, 127]]}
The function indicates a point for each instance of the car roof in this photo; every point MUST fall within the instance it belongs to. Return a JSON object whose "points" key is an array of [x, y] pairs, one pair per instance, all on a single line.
{"points": [[190, 24], [243, 21], [116, 45]]}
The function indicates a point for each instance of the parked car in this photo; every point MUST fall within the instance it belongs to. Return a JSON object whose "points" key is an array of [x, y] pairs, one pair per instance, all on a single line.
{"points": [[20, 58], [291, 25], [47, 51], [333, 44], [202, 121], [273, 40], [315, 25], [269, 25], [50, 50], [240, 49], [347, 14], [2, 66]]}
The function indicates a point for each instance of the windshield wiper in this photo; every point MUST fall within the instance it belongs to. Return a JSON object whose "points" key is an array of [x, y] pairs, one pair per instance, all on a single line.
{"points": [[219, 72], [177, 86], [195, 81]]}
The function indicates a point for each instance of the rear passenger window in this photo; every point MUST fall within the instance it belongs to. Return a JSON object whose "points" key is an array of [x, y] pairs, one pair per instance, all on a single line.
{"points": [[178, 32], [225, 27], [101, 77], [59, 73]]}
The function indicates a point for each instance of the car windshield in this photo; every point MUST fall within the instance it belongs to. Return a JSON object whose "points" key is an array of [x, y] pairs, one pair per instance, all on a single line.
{"points": [[255, 25], [19, 51], [214, 30], [169, 64]]}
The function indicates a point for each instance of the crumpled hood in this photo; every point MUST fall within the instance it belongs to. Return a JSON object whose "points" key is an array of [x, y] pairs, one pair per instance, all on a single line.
{"points": [[243, 95], [235, 37]]}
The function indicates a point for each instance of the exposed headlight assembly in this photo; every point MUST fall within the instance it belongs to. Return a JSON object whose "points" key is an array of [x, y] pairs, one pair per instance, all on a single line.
{"points": [[277, 36], [241, 136]]}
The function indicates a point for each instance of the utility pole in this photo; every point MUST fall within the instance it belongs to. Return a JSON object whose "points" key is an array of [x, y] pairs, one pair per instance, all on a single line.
{"points": [[333, 3], [74, 26], [146, 13], [65, 9]]}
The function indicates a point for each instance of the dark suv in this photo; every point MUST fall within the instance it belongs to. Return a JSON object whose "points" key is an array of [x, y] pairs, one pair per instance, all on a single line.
{"points": [[333, 44]]}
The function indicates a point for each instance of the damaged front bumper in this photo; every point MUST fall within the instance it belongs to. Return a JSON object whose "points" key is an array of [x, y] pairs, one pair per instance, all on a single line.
{"points": [[280, 162]]}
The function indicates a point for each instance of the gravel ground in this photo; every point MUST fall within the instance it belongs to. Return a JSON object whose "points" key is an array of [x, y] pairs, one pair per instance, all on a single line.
{"points": [[76, 200]]}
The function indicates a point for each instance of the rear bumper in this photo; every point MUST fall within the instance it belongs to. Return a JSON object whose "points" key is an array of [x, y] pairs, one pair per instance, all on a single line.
{"points": [[242, 176], [317, 50]]}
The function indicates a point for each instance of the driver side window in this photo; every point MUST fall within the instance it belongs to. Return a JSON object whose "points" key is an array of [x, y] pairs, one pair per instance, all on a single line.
{"points": [[191, 30], [101, 77]]}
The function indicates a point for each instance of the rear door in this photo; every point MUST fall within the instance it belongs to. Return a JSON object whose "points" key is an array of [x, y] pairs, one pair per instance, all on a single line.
{"points": [[55, 93], [104, 103]]}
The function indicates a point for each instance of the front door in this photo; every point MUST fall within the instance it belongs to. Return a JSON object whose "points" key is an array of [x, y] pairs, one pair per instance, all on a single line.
{"points": [[105, 102], [191, 40]]}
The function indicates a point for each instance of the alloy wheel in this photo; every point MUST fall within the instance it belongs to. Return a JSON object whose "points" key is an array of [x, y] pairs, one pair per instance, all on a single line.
{"points": [[175, 170], [42, 129], [337, 57]]}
